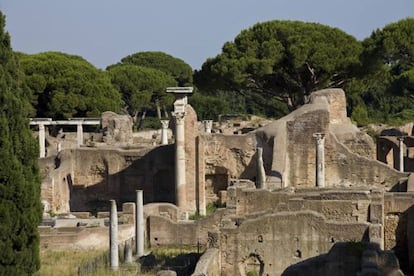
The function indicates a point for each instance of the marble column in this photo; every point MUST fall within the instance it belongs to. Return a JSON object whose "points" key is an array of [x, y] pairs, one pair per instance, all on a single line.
{"points": [[164, 132], [58, 147], [180, 104], [79, 134], [208, 125], [42, 144], [261, 173], [113, 236], [401, 146], [180, 170], [128, 251], [320, 159], [139, 223]]}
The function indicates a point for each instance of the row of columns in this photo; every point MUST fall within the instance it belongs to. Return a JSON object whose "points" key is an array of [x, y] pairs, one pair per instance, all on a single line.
{"points": [[42, 122], [320, 163], [208, 125], [139, 232]]}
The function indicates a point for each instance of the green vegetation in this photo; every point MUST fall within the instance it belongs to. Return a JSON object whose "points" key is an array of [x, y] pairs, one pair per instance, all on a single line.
{"points": [[96, 262], [210, 209], [183, 260], [252, 273], [65, 86], [357, 247], [142, 79], [384, 90], [175, 67], [80, 262], [20, 207], [142, 88], [268, 70], [275, 65]]}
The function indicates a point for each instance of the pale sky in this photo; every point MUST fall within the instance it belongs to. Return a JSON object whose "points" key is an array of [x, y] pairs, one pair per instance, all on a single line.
{"points": [[104, 31]]}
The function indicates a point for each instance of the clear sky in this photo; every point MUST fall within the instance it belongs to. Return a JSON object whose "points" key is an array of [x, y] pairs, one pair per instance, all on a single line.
{"points": [[104, 31]]}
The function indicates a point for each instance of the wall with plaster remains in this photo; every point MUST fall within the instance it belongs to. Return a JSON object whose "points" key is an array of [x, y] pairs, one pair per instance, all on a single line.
{"points": [[346, 163]]}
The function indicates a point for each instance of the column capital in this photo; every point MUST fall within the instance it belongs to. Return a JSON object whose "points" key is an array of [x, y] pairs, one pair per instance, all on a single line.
{"points": [[208, 125], [164, 123], [401, 138], [179, 115], [319, 137]]}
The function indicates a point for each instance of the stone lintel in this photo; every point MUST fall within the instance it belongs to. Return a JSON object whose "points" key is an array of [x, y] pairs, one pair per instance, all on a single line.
{"points": [[73, 121], [180, 90]]}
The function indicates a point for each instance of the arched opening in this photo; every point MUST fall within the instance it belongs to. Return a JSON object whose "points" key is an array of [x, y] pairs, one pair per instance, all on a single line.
{"points": [[253, 265]]}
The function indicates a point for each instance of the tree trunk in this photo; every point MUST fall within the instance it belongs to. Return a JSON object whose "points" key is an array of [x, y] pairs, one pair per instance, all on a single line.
{"points": [[166, 115], [157, 104], [135, 120], [144, 113]]}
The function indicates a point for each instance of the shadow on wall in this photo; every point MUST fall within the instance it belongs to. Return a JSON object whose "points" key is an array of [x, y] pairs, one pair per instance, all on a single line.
{"points": [[153, 173], [359, 257], [404, 246], [344, 258]]}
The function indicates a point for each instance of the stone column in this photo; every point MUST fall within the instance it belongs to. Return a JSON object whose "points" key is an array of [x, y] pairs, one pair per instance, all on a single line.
{"points": [[113, 236], [180, 183], [128, 251], [261, 173], [79, 134], [58, 147], [42, 145], [208, 125], [164, 132], [180, 104], [401, 146], [139, 224], [320, 159]]}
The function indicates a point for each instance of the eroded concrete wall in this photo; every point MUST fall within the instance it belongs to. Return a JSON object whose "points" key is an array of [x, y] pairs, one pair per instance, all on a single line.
{"points": [[167, 232], [84, 179], [347, 164], [278, 240]]}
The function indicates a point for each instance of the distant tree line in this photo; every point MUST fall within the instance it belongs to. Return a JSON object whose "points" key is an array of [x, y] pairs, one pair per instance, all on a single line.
{"points": [[269, 69]]}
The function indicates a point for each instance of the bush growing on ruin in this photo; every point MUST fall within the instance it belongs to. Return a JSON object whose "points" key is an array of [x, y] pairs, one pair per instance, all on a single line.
{"points": [[66, 86], [20, 207]]}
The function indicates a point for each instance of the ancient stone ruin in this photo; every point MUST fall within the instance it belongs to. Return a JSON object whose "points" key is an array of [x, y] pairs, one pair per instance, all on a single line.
{"points": [[302, 193]]}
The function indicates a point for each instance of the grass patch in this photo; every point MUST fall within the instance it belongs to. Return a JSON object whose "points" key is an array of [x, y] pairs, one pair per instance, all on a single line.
{"points": [[210, 209], [182, 260], [357, 247], [67, 262], [64, 262], [213, 206]]}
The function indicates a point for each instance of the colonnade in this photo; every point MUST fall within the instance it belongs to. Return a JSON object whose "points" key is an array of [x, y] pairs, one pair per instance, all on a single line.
{"points": [[79, 122]]}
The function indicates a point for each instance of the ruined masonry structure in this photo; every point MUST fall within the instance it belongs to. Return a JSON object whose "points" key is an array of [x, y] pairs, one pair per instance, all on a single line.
{"points": [[293, 192]]}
